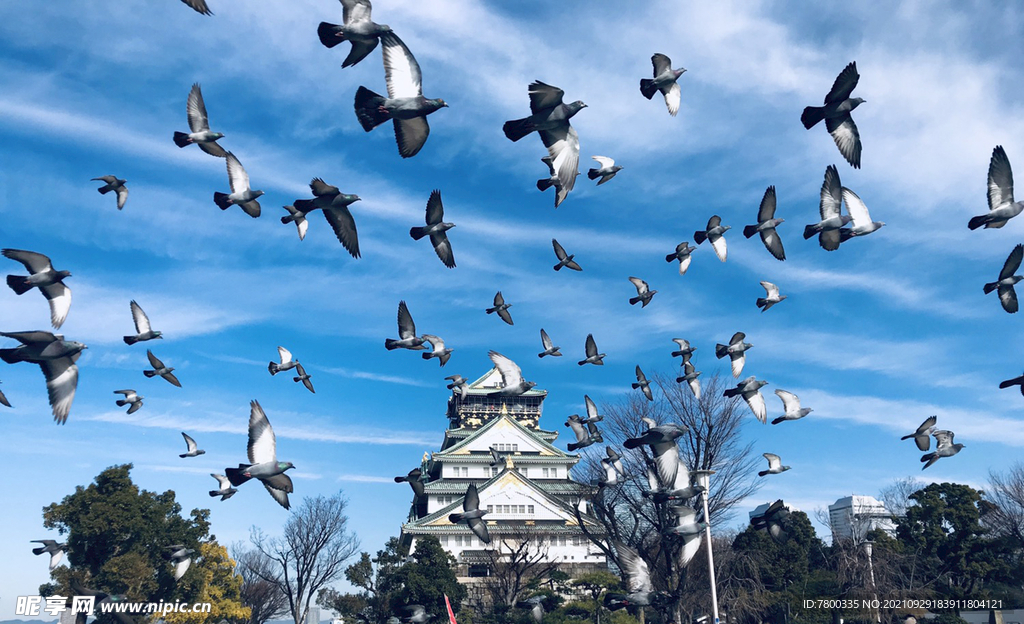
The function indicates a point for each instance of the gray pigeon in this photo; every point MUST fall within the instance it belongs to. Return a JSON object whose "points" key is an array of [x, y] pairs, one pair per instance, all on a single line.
{"points": [[113, 183], [472, 514], [687, 529], [612, 465], [225, 491], [1001, 207], [922, 437], [766, 224], [436, 228], [550, 119], [682, 254], [564, 259], [199, 6], [193, 450], [750, 390], [1009, 383], [55, 550], [43, 276], [405, 104], [299, 218], [944, 447], [304, 377], [586, 434], [665, 81], [263, 459], [715, 233], [287, 362], [736, 350], [593, 357], [358, 29], [643, 292], [497, 459], [4, 401], [685, 350], [130, 398], [771, 297], [180, 557], [1007, 279], [414, 479], [439, 351], [413, 614], [862, 223], [552, 181], [56, 357], [606, 171], [637, 579], [458, 384], [643, 384], [241, 194], [791, 407], [143, 331], [200, 126], [775, 520], [335, 206], [836, 113], [774, 465], [662, 440], [501, 308], [407, 338], [535, 605], [549, 347], [160, 369], [830, 208], [690, 375], [512, 382], [592, 415]]}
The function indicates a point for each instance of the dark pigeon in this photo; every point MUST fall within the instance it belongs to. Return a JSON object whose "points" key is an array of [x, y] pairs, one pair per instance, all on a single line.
{"points": [[56, 357], [335, 205], [437, 229], [358, 29], [43, 276], [836, 113]]}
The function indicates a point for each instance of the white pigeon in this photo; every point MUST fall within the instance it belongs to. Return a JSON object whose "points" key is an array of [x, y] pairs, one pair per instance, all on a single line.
{"points": [[862, 223], [1001, 207], [287, 362], [771, 297], [512, 382], [791, 407], [774, 465], [241, 194]]}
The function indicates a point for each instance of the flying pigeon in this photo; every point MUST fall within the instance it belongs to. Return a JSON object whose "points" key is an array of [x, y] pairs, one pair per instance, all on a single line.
{"points": [[593, 357], [180, 558], [299, 218], [1009, 383], [836, 113], [791, 406], [199, 6], [287, 362], [1001, 207], [612, 465], [413, 479], [193, 450], [643, 292], [130, 398], [690, 375], [263, 459], [775, 520], [586, 434], [922, 437], [774, 465], [592, 415], [550, 119], [643, 384], [688, 530], [750, 390], [771, 297], [496, 457], [56, 357], [736, 350], [662, 440], [637, 578], [606, 171], [143, 331], [665, 81], [685, 350], [944, 447], [200, 126], [535, 605], [472, 514], [440, 352], [1007, 295], [42, 275], [862, 223], [4, 401], [830, 208], [113, 183], [358, 29], [241, 194], [55, 550], [501, 308], [512, 383], [407, 338], [160, 369], [458, 384], [682, 254], [335, 205], [564, 260], [549, 347], [303, 377], [226, 491], [437, 229], [405, 104], [766, 224], [552, 180], [714, 233], [413, 614]]}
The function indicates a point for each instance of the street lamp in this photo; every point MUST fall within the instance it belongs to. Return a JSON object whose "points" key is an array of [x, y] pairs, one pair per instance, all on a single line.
{"points": [[871, 568], [704, 480]]}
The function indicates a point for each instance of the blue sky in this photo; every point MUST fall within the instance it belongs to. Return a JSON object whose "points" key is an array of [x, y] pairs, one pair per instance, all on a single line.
{"points": [[874, 337]]}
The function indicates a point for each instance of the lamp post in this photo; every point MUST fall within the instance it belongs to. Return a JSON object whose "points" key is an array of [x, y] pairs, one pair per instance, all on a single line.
{"points": [[871, 569], [704, 479]]}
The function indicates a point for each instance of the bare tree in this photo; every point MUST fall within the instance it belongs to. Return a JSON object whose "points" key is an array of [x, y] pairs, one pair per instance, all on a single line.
{"points": [[261, 587], [896, 496], [517, 559], [311, 553], [1007, 495]]}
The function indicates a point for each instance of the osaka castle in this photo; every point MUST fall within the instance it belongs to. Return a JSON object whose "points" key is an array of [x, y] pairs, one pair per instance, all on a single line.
{"points": [[529, 495]]}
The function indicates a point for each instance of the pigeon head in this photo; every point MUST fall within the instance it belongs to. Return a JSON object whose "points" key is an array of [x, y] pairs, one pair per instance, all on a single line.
{"points": [[63, 274], [285, 465], [350, 199], [530, 384], [855, 102], [159, 335], [218, 135], [679, 72], [576, 107], [71, 347]]}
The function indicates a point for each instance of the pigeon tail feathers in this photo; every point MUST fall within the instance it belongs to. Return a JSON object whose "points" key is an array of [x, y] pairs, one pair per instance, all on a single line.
{"points": [[593, 174], [149, 373], [235, 475], [990, 287], [648, 88], [811, 116], [272, 367], [130, 340], [181, 139], [760, 302], [810, 231], [369, 109], [977, 222], [330, 34], [222, 201], [517, 128], [749, 231], [19, 284], [699, 237], [417, 232]]}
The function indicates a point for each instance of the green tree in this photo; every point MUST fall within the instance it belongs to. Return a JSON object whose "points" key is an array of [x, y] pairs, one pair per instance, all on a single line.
{"points": [[374, 577], [216, 582], [427, 579], [596, 584]]}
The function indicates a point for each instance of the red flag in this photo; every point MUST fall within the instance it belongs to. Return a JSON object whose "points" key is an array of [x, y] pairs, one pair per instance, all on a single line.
{"points": [[451, 614]]}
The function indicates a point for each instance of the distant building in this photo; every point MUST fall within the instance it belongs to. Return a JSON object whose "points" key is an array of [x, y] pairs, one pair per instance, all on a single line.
{"points": [[760, 509], [852, 517], [313, 615]]}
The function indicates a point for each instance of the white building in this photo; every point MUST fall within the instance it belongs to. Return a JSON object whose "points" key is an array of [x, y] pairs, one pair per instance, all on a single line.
{"points": [[852, 517]]}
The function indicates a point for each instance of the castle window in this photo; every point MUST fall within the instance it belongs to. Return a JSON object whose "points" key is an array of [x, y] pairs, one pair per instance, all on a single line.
{"points": [[465, 471], [490, 508], [545, 472], [444, 540], [530, 508], [494, 471]]}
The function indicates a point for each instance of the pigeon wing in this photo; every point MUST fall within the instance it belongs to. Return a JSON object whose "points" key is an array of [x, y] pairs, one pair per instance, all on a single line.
{"points": [[604, 161], [406, 327], [844, 132], [511, 375], [344, 227], [237, 176], [280, 482], [544, 96], [831, 194], [1012, 262], [181, 567], [768, 203], [773, 243], [756, 403], [505, 316], [927, 424], [564, 148], [1008, 297], [638, 576], [844, 85], [443, 248], [285, 355], [591, 408], [61, 382], [591, 346], [559, 251], [477, 526], [196, 110], [411, 134], [545, 340], [774, 461], [579, 430], [323, 189], [771, 289], [718, 244], [673, 97], [154, 360], [189, 442], [141, 320], [401, 71], [355, 10], [790, 402], [641, 286], [661, 63], [262, 443], [34, 262], [199, 6], [435, 209], [1000, 180], [59, 297], [856, 208], [471, 501], [280, 496], [943, 438]]}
